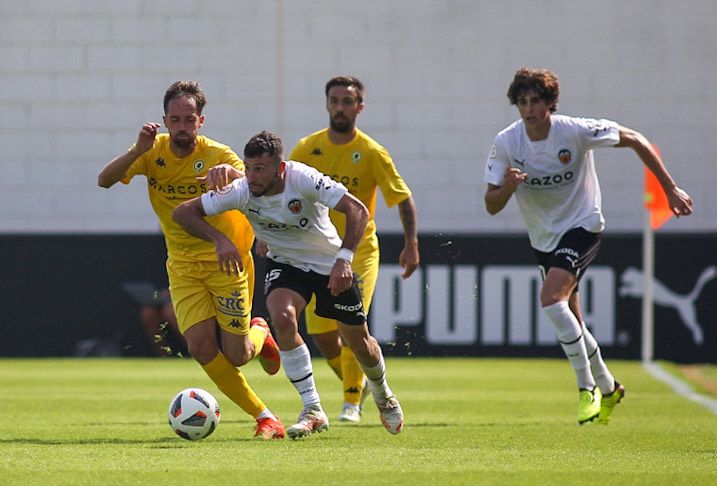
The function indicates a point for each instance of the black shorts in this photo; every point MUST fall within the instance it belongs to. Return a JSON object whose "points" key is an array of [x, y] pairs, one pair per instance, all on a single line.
{"points": [[575, 251], [347, 307]]}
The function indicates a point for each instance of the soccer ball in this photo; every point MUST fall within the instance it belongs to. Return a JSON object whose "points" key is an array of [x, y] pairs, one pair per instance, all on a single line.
{"points": [[193, 414]]}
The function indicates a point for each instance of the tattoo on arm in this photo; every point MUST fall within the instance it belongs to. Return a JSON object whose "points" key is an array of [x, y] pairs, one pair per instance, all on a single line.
{"points": [[407, 213]]}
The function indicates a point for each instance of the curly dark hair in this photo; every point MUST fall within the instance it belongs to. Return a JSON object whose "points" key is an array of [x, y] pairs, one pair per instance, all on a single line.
{"points": [[190, 89], [349, 82], [543, 81], [265, 142]]}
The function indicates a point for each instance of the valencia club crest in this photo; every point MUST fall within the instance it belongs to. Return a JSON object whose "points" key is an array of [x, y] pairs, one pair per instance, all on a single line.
{"points": [[295, 206], [565, 156]]}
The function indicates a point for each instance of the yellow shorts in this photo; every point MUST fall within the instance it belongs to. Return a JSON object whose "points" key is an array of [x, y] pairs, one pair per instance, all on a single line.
{"points": [[365, 266], [200, 291]]}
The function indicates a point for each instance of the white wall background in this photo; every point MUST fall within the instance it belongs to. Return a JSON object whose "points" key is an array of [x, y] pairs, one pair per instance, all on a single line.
{"points": [[79, 77]]}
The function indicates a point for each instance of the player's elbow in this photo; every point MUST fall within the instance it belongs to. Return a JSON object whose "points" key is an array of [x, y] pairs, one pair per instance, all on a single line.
{"points": [[491, 207], [181, 212], [362, 214], [104, 182]]}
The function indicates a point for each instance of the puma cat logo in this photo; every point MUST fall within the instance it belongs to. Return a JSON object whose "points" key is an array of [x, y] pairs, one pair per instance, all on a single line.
{"points": [[633, 285]]}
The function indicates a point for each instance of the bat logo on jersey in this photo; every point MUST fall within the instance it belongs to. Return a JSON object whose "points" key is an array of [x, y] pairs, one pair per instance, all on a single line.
{"points": [[324, 182], [597, 127], [565, 156], [295, 206], [198, 165], [160, 162], [356, 157]]}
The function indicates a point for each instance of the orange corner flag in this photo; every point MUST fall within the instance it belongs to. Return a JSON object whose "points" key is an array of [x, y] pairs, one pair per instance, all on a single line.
{"points": [[656, 200]]}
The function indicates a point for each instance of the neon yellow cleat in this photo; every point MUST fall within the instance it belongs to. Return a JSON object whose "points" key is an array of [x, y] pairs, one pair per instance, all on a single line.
{"points": [[588, 405], [609, 401]]}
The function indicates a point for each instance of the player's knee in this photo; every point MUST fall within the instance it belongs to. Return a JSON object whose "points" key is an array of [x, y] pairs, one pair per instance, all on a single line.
{"points": [[548, 297], [237, 357], [202, 350]]}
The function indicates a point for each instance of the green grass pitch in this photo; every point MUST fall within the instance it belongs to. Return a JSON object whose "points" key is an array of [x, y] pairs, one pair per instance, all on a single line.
{"points": [[468, 421]]}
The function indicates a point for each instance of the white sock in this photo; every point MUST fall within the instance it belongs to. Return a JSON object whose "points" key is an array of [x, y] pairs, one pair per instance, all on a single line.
{"points": [[570, 335], [604, 379], [376, 378], [266, 413], [297, 366]]}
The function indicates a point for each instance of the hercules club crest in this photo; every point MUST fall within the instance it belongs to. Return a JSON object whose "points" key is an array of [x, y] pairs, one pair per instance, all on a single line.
{"points": [[295, 206]]}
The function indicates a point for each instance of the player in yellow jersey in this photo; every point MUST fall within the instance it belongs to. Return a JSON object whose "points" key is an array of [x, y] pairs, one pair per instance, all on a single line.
{"points": [[204, 296], [351, 157]]}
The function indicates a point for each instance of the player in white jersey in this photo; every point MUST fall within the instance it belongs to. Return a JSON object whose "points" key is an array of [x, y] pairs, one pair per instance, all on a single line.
{"points": [[546, 160], [287, 204]]}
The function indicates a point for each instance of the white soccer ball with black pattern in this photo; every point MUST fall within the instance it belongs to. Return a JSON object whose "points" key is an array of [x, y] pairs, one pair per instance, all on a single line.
{"points": [[193, 414]]}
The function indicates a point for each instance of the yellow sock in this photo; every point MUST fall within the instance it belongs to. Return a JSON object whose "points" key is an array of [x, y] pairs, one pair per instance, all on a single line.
{"points": [[353, 376], [257, 336], [335, 364], [233, 384]]}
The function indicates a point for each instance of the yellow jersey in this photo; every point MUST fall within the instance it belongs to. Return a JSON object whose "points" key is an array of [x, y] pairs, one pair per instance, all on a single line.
{"points": [[172, 180], [362, 165]]}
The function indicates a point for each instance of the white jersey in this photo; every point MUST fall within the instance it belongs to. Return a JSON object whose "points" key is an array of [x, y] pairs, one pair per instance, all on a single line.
{"points": [[295, 223], [561, 191]]}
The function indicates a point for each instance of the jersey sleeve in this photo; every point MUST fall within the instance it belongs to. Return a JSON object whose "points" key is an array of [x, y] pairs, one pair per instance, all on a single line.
{"points": [[230, 157], [138, 167], [233, 196], [318, 187], [597, 133], [392, 185], [496, 163], [298, 153]]}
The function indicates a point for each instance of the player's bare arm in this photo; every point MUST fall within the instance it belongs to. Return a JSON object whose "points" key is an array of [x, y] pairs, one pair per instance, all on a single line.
{"points": [[190, 216], [341, 276], [220, 176], [409, 257], [116, 169], [261, 249], [496, 197], [680, 201]]}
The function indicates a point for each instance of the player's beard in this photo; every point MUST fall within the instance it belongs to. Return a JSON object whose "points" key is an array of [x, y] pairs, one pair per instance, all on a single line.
{"points": [[184, 143], [265, 190], [342, 125]]}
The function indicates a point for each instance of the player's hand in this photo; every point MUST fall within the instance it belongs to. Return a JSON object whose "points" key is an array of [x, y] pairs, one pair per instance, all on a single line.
{"points": [[220, 176], [513, 178], [229, 257], [261, 249], [341, 277], [147, 134], [680, 202], [409, 259]]}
